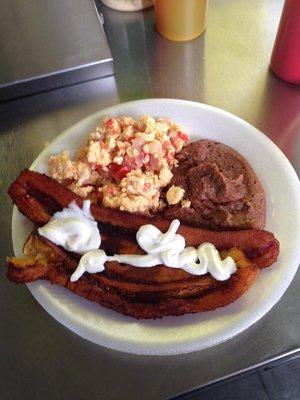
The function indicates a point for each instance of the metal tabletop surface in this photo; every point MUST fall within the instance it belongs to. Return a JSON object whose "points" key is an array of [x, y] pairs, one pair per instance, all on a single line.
{"points": [[39, 50], [228, 68]]}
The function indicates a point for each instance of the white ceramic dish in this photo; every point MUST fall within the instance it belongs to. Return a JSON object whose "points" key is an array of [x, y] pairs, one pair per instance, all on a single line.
{"points": [[174, 335]]}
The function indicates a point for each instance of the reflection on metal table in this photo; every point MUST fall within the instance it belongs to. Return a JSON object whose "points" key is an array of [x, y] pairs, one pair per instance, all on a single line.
{"points": [[228, 68]]}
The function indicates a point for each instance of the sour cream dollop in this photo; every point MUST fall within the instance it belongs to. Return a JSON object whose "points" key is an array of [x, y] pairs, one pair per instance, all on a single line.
{"points": [[76, 230], [73, 228], [169, 249], [92, 262]]}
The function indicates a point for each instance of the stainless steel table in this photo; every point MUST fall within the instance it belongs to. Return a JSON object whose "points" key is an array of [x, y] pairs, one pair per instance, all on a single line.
{"points": [[228, 68]]}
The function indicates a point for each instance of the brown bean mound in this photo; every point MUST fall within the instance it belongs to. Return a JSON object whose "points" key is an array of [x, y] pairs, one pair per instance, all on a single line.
{"points": [[223, 189]]}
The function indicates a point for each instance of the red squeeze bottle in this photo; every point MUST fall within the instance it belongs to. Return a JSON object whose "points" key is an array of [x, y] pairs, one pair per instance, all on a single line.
{"points": [[285, 60]]}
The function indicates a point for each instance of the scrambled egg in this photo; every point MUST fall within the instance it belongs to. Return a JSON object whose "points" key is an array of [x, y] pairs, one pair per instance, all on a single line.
{"points": [[174, 194], [125, 163]]}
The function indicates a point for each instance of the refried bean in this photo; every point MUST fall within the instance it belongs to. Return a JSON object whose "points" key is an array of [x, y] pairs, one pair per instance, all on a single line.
{"points": [[223, 190]]}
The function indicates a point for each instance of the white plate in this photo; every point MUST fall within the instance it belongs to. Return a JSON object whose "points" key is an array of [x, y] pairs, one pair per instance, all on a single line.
{"points": [[174, 335]]}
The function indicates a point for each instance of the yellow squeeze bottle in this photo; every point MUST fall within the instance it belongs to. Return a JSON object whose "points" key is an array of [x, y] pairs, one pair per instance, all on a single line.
{"points": [[180, 20]]}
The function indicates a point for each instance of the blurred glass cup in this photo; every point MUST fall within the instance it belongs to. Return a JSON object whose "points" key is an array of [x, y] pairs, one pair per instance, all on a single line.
{"points": [[180, 20]]}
